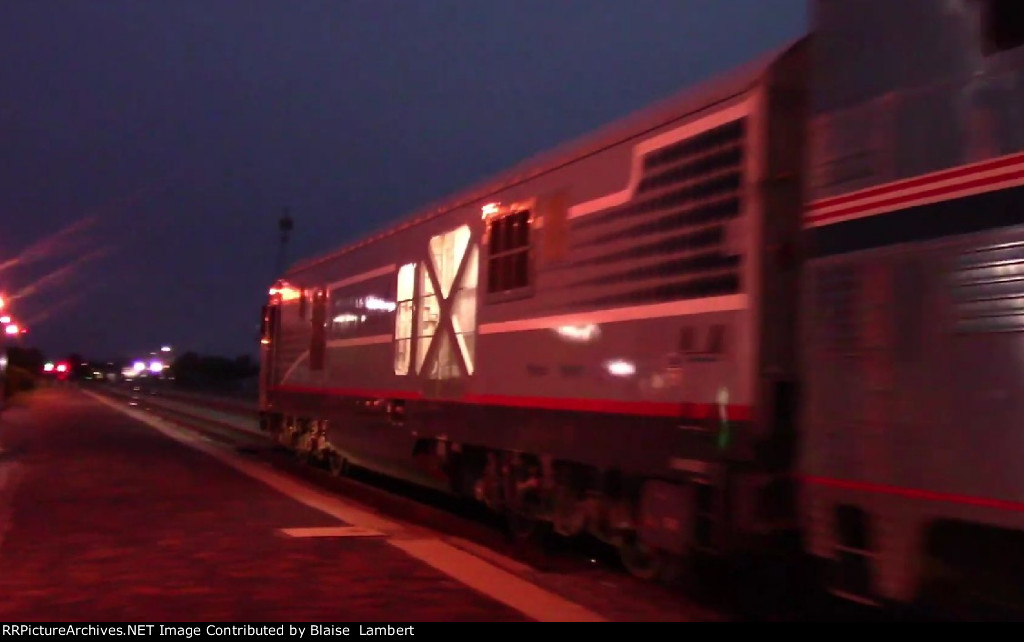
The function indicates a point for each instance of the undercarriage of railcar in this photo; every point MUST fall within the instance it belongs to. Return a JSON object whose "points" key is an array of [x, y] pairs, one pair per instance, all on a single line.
{"points": [[658, 523]]}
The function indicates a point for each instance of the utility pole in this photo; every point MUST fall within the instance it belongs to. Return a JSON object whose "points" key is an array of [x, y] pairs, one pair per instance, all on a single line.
{"points": [[284, 225]]}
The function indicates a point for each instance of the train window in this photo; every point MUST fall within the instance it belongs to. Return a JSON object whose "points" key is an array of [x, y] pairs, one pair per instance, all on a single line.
{"points": [[318, 338], [429, 316], [464, 309], [1003, 22], [509, 245], [404, 318], [443, 292]]}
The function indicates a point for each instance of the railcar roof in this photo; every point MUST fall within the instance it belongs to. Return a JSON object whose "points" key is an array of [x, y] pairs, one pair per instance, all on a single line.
{"points": [[693, 99]]}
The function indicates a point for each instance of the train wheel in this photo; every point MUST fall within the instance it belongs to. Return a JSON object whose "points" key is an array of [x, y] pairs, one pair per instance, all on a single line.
{"points": [[570, 513], [337, 464], [522, 526], [672, 568], [302, 449], [640, 560], [523, 516]]}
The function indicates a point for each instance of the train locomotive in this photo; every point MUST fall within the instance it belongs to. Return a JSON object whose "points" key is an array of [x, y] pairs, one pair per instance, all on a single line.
{"points": [[777, 302]]}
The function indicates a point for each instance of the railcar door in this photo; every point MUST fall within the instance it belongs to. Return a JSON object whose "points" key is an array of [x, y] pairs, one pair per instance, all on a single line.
{"points": [[446, 287], [268, 350], [318, 332]]}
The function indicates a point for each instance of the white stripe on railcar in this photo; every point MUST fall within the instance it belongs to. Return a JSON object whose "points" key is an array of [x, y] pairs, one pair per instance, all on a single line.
{"points": [[670, 137], [365, 276], [728, 303]]}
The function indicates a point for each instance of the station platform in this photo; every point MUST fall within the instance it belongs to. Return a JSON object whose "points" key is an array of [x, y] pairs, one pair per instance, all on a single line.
{"points": [[109, 514]]}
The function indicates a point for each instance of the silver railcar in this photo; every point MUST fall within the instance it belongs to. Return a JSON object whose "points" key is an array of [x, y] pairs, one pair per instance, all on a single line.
{"points": [[914, 296], [603, 338]]}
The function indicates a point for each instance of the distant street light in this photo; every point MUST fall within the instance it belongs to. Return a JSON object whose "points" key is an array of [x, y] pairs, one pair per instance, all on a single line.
{"points": [[12, 329], [165, 349], [5, 319]]}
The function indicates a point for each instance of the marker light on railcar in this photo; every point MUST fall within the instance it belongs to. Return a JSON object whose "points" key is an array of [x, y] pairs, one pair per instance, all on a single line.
{"points": [[285, 292]]}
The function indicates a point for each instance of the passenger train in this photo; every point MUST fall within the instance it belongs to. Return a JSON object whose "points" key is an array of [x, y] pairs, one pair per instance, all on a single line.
{"points": [[789, 300]]}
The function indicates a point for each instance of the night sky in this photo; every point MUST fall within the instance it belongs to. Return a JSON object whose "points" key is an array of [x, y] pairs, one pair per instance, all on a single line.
{"points": [[147, 148]]}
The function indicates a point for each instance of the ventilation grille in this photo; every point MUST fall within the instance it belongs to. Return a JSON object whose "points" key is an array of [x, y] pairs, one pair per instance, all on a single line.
{"points": [[988, 289], [671, 240]]}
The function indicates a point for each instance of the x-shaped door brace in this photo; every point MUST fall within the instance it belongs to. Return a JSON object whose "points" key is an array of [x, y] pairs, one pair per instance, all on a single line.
{"points": [[446, 322]]}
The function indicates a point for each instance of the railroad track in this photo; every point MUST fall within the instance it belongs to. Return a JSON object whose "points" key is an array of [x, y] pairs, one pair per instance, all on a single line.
{"points": [[234, 423]]}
